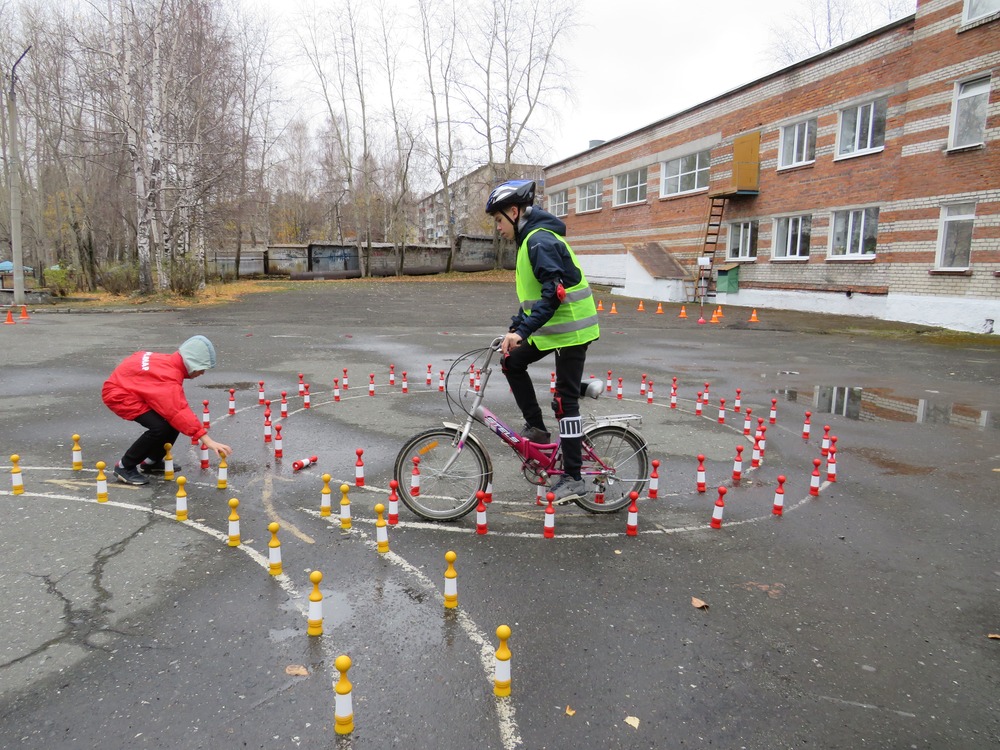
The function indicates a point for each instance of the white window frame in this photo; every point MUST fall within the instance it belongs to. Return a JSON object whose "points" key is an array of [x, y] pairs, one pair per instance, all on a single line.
{"points": [[627, 182], [949, 222], [559, 203], [859, 218], [967, 16], [589, 196], [791, 240], [701, 172], [861, 115], [963, 92], [743, 235], [806, 139]]}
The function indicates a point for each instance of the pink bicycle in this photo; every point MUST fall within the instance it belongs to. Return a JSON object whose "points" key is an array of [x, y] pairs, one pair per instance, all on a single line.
{"points": [[454, 464]]}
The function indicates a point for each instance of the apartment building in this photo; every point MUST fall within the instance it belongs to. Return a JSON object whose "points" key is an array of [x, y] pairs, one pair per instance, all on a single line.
{"points": [[864, 181]]}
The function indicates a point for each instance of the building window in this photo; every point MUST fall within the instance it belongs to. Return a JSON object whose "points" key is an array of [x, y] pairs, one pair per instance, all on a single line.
{"points": [[968, 123], [588, 197], [558, 203], [630, 187], [742, 240], [791, 236], [955, 236], [975, 9], [862, 128], [854, 233], [686, 174], [798, 144]]}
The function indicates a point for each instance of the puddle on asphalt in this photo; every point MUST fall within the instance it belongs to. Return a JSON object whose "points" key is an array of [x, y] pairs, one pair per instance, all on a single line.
{"points": [[883, 405]]}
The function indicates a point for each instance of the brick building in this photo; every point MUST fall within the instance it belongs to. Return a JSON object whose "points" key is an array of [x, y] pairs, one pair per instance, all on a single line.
{"points": [[864, 180], [468, 200]]}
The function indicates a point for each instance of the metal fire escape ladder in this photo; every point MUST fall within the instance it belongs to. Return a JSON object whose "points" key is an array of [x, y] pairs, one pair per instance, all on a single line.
{"points": [[713, 226]]}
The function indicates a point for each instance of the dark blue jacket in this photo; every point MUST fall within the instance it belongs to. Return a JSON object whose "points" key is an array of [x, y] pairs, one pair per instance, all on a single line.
{"points": [[551, 265]]}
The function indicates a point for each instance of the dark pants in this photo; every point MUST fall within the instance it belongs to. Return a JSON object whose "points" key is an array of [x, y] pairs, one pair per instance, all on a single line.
{"points": [[150, 443], [570, 361]]}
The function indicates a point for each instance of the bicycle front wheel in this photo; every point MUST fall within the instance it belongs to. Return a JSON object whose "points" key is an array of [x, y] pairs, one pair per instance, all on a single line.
{"points": [[615, 463], [442, 494]]}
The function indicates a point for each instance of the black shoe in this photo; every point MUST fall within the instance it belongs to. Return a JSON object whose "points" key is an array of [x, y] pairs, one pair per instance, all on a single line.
{"points": [[567, 489], [157, 467], [535, 435], [130, 476]]}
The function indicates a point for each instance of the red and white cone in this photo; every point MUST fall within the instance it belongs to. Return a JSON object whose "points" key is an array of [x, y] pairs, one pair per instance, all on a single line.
{"points": [[824, 447], [405, 386], [481, 527], [831, 462], [552, 383], [267, 427], [722, 411], [284, 405], [489, 492], [415, 478], [539, 495], [701, 473], [300, 465], [642, 385], [371, 384], [706, 393], [609, 381], [649, 393], [343, 380], [746, 422], [720, 506], [654, 480], [279, 450], [393, 517], [260, 392], [477, 381], [359, 469], [738, 403], [306, 398], [429, 376], [549, 530], [762, 440], [772, 418], [779, 497], [807, 426], [336, 389], [619, 394], [232, 400], [302, 384], [392, 374], [697, 405], [441, 382], [738, 464], [204, 456], [755, 455], [206, 418], [814, 481], [673, 397], [632, 525]]}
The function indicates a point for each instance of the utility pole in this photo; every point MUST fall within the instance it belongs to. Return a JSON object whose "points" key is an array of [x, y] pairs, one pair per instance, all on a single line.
{"points": [[15, 187]]}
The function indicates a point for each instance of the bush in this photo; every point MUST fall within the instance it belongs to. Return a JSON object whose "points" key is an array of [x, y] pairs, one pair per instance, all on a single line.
{"points": [[119, 279], [186, 277], [60, 281]]}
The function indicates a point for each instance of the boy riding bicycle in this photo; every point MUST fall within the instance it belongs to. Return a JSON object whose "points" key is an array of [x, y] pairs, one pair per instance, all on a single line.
{"points": [[556, 313]]}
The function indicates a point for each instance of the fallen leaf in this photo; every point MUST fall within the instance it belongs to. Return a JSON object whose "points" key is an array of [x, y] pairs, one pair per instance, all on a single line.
{"points": [[618, 551], [296, 670], [698, 603], [632, 722], [569, 711], [994, 636]]}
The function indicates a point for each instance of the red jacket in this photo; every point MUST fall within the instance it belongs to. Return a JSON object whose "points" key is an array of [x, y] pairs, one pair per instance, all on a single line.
{"points": [[147, 381]]}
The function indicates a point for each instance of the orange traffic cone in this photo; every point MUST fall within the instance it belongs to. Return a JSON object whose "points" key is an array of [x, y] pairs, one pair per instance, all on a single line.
{"points": [[24, 313], [613, 310], [600, 306], [10, 319], [683, 312], [715, 317], [718, 311], [641, 308], [659, 308], [753, 316]]}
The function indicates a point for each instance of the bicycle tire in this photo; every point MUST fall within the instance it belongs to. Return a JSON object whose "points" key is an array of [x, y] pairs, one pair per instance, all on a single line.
{"points": [[443, 495], [625, 467]]}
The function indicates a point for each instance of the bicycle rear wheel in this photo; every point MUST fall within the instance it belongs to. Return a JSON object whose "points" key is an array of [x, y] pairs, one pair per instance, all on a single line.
{"points": [[615, 463], [444, 494]]}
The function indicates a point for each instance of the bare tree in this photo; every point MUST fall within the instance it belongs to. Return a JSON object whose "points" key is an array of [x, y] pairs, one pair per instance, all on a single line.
{"points": [[820, 25]]}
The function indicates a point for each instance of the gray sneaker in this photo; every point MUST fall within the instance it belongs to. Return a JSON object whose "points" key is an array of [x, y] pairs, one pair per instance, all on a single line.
{"points": [[567, 489], [130, 476], [535, 435]]}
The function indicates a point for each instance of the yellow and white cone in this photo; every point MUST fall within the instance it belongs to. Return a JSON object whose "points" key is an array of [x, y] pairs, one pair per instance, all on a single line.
{"points": [[501, 669], [315, 621], [343, 710], [102, 483], [234, 523], [274, 550]]}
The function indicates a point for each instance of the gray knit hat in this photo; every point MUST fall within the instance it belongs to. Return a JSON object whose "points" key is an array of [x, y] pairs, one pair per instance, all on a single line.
{"points": [[198, 354]]}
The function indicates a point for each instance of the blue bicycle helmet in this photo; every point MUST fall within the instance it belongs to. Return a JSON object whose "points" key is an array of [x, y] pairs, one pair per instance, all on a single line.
{"points": [[511, 193]]}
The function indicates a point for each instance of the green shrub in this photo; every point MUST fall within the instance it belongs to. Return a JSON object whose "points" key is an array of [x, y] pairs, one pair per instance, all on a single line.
{"points": [[60, 281], [186, 276], [119, 279]]}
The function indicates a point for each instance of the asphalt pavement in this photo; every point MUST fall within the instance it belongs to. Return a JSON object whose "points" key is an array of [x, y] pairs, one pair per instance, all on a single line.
{"points": [[861, 617]]}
